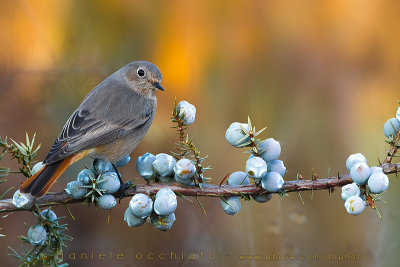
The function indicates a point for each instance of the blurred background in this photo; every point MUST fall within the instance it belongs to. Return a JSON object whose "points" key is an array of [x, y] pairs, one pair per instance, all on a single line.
{"points": [[323, 76]]}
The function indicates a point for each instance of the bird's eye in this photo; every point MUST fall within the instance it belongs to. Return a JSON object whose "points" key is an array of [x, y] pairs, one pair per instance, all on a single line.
{"points": [[140, 72]]}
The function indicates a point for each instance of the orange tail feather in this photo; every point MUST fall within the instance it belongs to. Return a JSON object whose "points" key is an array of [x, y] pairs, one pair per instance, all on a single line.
{"points": [[41, 182]]}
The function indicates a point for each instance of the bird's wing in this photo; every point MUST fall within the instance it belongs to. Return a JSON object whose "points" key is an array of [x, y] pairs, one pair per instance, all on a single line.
{"points": [[91, 126]]}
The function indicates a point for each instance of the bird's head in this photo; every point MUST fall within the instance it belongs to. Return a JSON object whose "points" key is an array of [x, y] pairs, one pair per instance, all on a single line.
{"points": [[144, 77]]}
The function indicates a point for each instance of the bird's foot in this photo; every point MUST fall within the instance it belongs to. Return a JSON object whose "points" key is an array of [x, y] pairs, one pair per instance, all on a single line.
{"points": [[123, 188]]}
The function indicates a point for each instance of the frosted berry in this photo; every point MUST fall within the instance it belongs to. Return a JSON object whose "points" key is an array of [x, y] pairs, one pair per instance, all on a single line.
{"points": [[109, 182], [184, 169], [353, 159], [76, 190], [350, 190], [37, 235], [235, 134], [165, 202], [231, 205], [22, 200], [256, 167], [86, 176], [378, 183], [141, 205], [106, 202], [376, 169], [164, 164], [49, 214], [262, 198], [354, 205], [272, 182], [162, 223], [391, 127], [360, 173], [183, 181], [238, 178], [277, 166], [37, 167], [144, 166], [188, 111], [101, 166], [270, 149], [398, 114], [133, 220], [123, 161]]}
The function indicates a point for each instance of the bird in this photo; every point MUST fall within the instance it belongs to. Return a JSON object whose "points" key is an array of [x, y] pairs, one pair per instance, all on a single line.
{"points": [[109, 123]]}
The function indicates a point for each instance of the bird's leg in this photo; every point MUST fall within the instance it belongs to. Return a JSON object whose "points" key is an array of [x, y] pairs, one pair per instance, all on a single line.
{"points": [[123, 186]]}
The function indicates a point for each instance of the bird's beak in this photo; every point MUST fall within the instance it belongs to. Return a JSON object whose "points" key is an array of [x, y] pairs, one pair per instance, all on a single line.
{"points": [[158, 86]]}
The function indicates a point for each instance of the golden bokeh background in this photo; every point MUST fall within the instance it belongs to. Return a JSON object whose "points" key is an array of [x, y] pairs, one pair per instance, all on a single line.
{"points": [[322, 75]]}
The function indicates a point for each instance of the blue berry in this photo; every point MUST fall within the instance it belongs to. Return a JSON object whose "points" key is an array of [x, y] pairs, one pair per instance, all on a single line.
{"points": [[49, 214], [163, 223], [262, 198], [133, 220], [391, 127], [164, 164], [376, 169], [165, 202], [378, 183], [109, 182], [270, 149], [272, 182], [398, 114], [76, 190], [37, 235], [277, 166], [22, 200], [256, 167], [144, 166], [231, 205], [235, 134], [188, 111], [360, 173], [37, 167], [184, 169], [163, 191], [123, 161], [106, 202], [354, 205], [350, 190], [86, 176], [183, 181], [355, 158], [102, 165], [141, 205], [238, 178]]}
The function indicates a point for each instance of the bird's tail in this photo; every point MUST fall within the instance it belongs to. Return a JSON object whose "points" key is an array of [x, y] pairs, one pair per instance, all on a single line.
{"points": [[41, 181]]}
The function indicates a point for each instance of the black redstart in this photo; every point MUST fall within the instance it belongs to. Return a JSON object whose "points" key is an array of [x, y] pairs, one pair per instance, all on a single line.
{"points": [[110, 122]]}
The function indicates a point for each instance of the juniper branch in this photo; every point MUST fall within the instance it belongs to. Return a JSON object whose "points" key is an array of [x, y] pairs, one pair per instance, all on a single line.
{"points": [[208, 190]]}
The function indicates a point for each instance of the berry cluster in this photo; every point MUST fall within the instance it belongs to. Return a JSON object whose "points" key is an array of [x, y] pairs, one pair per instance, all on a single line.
{"points": [[161, 210], [163, 168], [98, 184], [263, 166], [369, 182]]}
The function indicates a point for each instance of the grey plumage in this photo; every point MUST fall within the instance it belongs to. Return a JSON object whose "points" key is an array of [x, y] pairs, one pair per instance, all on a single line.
{"points": [[110, 122], [121, 107]]}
